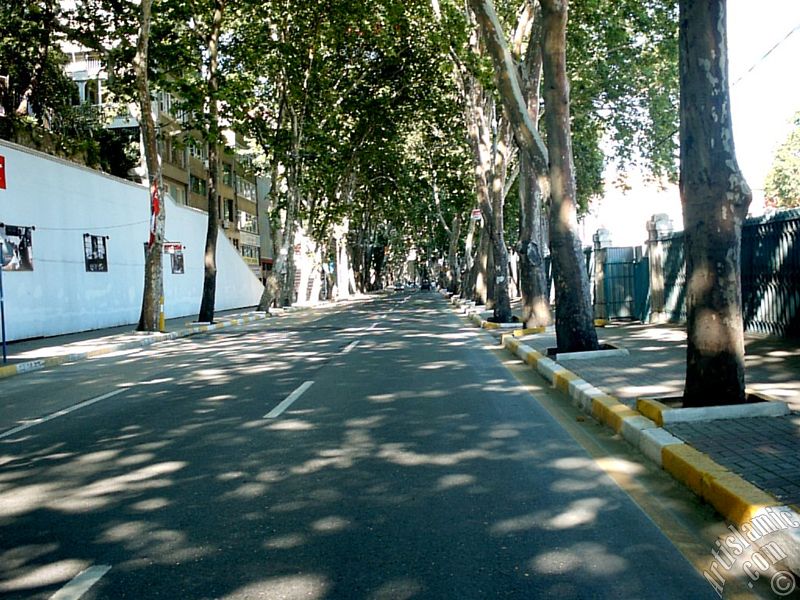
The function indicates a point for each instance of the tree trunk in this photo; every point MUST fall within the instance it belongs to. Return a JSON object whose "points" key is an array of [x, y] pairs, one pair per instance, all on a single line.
{"points": [[454, 269], [715, 199], [533, 279], [342, 260], [533, 189], [574, 317], [210, 257], [149, 318], [468, 281], [480, 292], [509, 85], [500, 272]]}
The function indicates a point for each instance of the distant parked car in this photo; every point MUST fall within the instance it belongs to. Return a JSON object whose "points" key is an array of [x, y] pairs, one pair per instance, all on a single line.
{"points": [[398, 286], [425, 285]]}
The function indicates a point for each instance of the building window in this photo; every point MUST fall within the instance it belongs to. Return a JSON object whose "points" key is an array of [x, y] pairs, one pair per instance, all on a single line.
{"points": [[198, 150], [229, 210], [227, 174], [250, 253], [246, 189], [176, 154], [247, 222], [178, 193], [95, 252], [198, 185]]}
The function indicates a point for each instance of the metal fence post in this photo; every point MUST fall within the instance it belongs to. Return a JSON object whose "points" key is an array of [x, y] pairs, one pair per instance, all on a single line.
{"points": [[658, 227]]}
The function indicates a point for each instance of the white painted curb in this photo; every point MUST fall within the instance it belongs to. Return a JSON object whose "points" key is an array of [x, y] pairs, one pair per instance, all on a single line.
{"points": [[653, 441], [711, 413]]}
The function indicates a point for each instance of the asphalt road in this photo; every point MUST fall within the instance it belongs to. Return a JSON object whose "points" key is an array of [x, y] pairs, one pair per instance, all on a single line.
{"points": [[412, 466]]}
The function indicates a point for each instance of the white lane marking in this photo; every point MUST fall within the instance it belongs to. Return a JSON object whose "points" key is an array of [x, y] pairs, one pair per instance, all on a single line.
{"points": [[278, 410], [350, 346], [60, 413], [374, 325], [81, 583]]}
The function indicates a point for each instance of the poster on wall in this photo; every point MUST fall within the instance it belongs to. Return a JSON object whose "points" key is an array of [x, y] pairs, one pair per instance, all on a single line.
{"points": [[16, 243], [177, 263], [95, 253], [175, 251]]}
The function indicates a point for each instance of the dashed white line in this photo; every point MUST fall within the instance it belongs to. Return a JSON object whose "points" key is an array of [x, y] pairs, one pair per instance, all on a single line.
{"points": [[60, 413], [373, 326], [278, 410], [81, 583], [350, 346]]}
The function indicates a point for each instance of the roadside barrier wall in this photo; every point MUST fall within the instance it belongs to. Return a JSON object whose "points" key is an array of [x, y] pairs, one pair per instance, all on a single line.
{"points": [[76, 241]]}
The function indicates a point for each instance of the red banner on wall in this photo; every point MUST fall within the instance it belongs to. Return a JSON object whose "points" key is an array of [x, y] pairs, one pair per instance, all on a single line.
{"points": [[2, 172]]}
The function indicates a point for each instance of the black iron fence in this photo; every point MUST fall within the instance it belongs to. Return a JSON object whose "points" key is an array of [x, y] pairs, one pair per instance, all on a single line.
{"points": [[770, 274]]}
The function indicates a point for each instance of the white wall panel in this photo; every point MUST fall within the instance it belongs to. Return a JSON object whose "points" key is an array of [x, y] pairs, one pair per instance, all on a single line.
{"points": [[64, 201]]}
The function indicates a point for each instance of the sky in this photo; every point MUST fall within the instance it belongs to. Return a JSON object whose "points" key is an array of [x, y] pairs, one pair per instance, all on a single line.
{"points": [[765, 95]]}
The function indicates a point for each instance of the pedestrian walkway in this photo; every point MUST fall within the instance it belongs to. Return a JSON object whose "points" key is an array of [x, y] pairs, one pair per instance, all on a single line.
{"points": [[34, 354]]}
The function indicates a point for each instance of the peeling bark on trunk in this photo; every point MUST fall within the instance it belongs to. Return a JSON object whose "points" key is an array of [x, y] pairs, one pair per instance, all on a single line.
{"points": [[342, 260], [499, 293], [468, 282], [453, 268], [210, 257], [715, 199], [536, 310], [533, 190], [149, 317], [574, 317], [516, 109]]}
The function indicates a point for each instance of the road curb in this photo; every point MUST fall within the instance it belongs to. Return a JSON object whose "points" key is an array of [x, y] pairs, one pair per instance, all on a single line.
{"points": [[736, 499], [145, 341]]}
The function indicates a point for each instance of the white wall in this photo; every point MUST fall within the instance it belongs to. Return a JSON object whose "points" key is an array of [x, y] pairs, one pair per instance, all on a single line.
{"points": [[64, 201]]}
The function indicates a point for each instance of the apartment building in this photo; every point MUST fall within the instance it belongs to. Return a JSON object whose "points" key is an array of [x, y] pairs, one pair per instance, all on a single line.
{"points": [[184, 158]]}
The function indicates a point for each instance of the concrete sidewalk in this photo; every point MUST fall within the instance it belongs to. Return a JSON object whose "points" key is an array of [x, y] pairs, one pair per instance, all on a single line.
{"points": [[31, 355], [762, 450]]}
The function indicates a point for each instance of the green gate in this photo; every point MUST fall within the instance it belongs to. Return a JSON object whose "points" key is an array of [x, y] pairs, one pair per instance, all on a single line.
{"points": [[626, 284]]}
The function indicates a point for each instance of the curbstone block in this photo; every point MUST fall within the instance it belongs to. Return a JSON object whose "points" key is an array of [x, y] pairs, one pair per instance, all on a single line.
{"points": [[563, 378], [632, 428], [652, 409], [689, 466], [652, 443]]}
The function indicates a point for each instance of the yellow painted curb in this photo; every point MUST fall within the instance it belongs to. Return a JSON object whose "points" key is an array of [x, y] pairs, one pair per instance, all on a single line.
{"points": [[561, 380], [737, 500], [510, 342], [689, 466], [8, 371], [533, 357], [600, 322], [490, 325], [99, 352], [611, 411], [734, 498], [652, 409], [617, 415], [527, 331]]}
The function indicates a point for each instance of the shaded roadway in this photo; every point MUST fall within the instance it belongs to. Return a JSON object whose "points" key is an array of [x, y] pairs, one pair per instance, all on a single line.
{"points": [[413, 467]]}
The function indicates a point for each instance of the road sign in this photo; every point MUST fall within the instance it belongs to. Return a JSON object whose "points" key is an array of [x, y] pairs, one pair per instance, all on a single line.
{"points": [[476, 214]]}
